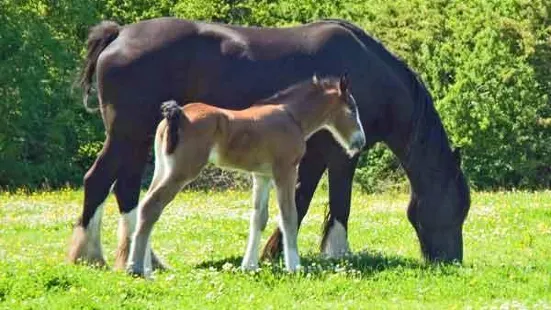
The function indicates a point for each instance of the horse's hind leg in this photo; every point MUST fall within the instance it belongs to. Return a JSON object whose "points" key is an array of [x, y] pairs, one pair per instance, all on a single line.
{"points": [[259, 218], [127, 191], [86, 241]]}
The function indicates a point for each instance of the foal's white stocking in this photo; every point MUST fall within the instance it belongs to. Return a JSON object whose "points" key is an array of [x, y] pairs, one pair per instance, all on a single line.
{"points": [[259, 218], [289, 227], [132, 217], [139, 262]]}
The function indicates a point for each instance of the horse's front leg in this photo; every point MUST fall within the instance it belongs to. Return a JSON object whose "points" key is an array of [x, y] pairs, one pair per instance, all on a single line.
{"points": [[285, 180], [334, 243], [259, 218]]}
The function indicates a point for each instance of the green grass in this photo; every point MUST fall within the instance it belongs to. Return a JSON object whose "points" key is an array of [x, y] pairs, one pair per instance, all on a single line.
{"points": [[203, 235]]}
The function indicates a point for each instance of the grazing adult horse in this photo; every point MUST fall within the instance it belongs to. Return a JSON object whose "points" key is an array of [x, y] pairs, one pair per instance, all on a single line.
{"points": [[268, 139], [140, 65]]}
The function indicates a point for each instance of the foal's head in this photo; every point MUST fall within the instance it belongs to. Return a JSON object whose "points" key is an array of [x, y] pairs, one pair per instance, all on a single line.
{"points": [[343, 118]]}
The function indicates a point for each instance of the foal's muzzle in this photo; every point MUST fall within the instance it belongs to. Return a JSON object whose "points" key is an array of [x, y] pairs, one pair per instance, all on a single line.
{"points": [[357, 143]]}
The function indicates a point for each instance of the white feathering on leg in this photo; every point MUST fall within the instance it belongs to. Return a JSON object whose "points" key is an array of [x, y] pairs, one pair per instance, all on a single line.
{"points": [[336, 242]]}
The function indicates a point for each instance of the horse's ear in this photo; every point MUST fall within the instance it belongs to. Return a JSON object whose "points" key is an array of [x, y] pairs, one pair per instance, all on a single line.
{"points": [[457, 156], [344, 83], [315, 79]]}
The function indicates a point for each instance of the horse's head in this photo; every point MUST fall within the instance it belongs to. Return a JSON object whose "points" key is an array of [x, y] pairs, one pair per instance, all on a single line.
{"points": [[438, 221], [344, 121]]}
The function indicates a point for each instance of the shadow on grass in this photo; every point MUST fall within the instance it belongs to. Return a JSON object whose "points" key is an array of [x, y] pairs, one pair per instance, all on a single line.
{"points": [[362, 263]]}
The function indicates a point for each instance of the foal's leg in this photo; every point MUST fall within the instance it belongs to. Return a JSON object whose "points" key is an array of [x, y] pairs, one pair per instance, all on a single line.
{"points": [[86, 242], [181, 167], [259, 218], [149, 211], [285, 180], [310, 170]]}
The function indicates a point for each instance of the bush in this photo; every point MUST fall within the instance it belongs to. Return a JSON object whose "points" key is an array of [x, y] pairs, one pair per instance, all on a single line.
{"points": [[487, 65], [42, 126]]}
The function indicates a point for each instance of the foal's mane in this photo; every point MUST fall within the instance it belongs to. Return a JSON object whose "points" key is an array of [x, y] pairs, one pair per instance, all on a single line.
{"points": [[299, 89]]}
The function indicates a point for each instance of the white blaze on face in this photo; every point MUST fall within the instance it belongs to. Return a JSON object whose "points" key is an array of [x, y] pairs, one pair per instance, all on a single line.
{"points": [[360, 133]]}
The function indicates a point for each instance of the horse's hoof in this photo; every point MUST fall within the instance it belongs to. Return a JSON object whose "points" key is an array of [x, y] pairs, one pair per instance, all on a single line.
{"points": [[93, 262], [135, 272], [157, 264], [81, 251], [294, 269], [249, 267]]}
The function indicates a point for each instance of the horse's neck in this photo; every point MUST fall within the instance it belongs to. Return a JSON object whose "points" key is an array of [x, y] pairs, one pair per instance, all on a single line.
{"points": [[426, 155]]}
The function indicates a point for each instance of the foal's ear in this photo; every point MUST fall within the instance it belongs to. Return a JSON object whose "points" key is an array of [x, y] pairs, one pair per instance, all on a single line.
{"points": [[344, 83]]}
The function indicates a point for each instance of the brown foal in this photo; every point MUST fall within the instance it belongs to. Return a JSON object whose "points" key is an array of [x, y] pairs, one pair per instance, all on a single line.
{"points": [[268, 139]]}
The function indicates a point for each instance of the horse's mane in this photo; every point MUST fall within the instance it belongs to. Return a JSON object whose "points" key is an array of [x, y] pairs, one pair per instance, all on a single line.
{"points": [[426, 123]]}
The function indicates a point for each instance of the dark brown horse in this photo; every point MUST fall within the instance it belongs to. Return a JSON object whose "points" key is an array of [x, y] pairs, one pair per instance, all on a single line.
{"points": [[138, 66]]}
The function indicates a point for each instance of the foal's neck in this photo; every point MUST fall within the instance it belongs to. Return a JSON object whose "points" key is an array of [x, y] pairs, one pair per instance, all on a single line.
{"points": [[310, 115]]}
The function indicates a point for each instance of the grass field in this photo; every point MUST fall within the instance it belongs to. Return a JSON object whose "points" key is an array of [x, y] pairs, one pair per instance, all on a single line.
{"points": [[203, 235]]}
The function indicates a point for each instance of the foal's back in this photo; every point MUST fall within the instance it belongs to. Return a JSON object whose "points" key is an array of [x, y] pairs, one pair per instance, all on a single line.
{"points": [[255, 139]]}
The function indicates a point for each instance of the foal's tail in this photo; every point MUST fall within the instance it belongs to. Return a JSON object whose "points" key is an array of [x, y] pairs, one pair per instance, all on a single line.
{"points": [[172, 113], [99, 38]]}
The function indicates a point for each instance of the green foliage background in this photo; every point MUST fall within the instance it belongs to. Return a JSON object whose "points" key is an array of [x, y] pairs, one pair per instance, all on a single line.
{"points": [[487, 64]]}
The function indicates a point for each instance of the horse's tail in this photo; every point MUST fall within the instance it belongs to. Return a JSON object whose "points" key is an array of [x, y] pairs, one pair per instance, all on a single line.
{"points": [[99, 37], [173, 114]]}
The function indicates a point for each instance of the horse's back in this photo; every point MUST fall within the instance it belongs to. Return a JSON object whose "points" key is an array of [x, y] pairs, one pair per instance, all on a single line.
{"points": [[231, 66], [187, 59]]}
